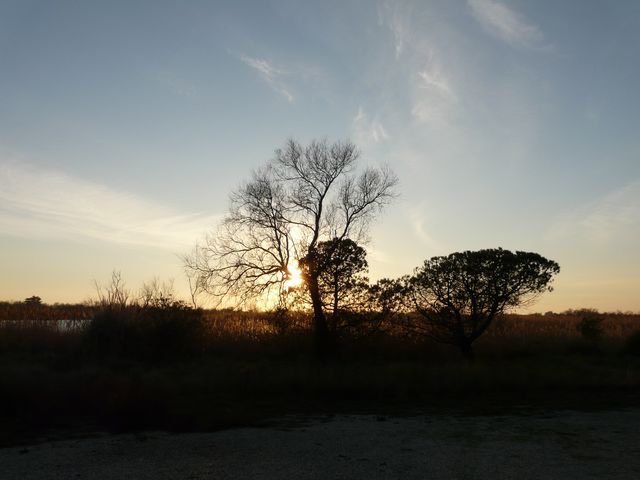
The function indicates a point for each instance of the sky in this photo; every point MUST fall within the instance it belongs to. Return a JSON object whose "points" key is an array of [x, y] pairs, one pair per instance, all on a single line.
{"points": [[125, 125]]}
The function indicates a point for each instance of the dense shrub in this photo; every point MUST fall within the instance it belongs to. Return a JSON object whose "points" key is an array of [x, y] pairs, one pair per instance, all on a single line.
{"points": [[146, 332], [590, 324]]}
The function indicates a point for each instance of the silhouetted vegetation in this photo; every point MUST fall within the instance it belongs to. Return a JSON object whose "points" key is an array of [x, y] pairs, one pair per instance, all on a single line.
{"points": [[458, 296], [305, 196], [33, 300], [147, 360], [150, 333], [174, 367], [632, 346], [41, 312], [590, 325]]}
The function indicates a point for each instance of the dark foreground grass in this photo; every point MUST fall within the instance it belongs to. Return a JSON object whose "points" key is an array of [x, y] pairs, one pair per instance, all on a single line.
{"points": [[219, 393], [241, 371]]}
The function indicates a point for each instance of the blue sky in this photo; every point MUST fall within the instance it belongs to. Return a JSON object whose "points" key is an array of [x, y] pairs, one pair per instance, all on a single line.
{"points": [[124, 126]]}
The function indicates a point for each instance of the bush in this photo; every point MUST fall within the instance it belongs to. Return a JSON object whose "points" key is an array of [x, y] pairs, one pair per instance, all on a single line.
{"points": [[146, 333], [590, 324]]}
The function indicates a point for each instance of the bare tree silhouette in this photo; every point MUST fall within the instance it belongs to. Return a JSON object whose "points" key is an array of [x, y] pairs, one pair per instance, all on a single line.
{"points": [[304, 195]]}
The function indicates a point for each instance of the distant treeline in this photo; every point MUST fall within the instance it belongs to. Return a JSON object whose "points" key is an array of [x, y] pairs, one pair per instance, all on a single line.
{"points": [[41, 311]]}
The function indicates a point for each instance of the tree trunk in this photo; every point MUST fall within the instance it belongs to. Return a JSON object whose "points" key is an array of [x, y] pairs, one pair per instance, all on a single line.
{"points": [[321, 334], [467, 350], [334, 314]]}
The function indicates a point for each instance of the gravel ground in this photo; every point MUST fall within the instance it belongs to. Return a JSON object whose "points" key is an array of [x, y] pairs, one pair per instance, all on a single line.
{"points": [[557, 444]]}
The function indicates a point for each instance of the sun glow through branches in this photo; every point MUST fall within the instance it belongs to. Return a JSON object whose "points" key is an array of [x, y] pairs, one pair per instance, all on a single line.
{"points": [[293, 276]]}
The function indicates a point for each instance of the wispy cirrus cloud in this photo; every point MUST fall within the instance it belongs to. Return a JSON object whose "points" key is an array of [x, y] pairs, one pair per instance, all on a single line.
{"points": [[614, 216], [433, 80], [270, 74], [38, 203], [434, 95], [366, 130], [416, 217], [433, 92], [506, 24], [391, 15]]}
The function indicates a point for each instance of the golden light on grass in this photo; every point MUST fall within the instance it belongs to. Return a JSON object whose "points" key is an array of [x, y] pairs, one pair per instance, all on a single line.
{"points": [[294, 276]]}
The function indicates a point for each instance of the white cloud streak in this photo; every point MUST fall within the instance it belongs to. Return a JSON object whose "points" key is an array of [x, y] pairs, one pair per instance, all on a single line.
{"points": [[37, 203], [613, 217], [504, 23], [367, 131], [433, 80], [418, 223], [270, 74], [434, 95], [416, 34], [390, 14]]}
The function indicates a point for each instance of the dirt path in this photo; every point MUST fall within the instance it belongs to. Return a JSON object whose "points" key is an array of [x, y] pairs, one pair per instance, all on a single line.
{"points": [[558, 444]]}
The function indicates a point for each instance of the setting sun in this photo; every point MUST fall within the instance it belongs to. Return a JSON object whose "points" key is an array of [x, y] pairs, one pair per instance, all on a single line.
{"points": [[293, 277]]}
